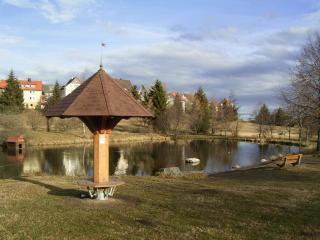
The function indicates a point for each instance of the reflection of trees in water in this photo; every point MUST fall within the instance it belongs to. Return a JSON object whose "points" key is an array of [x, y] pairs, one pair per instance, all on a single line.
{"points": [[114, 155], [52, 161], [143, 159], [140, 159], [219, 149], [217, 155], [9, 168], [167, 155], [33, 163], [66, 161]]}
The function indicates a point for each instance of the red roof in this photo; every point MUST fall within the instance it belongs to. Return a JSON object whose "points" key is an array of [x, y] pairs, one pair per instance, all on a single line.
{"points": [[36, 83], [14, 139]]}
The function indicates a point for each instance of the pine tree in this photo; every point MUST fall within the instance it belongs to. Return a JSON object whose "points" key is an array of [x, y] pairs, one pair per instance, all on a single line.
{"points": [[159, 98], [280, 117], [12, 96], [56, 95], [159, 102], [263, 116], [201, 112], [135, 93]]}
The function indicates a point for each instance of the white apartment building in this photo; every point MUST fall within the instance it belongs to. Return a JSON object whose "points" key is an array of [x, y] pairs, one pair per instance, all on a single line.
{"points": [[32, 91]]}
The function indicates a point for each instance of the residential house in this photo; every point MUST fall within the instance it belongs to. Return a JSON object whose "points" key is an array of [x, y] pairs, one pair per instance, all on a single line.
{"points": [[47, 92], [186, 99], [144, 91], [70, 86], [32, 91]]}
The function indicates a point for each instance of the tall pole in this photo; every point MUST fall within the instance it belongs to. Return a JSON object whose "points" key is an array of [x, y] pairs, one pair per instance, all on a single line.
{"points": [[101, 53]]}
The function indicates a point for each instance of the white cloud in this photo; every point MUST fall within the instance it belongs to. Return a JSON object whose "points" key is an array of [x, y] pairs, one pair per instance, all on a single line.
{"points": [[20, 3], [55, 11], [7, 39]]}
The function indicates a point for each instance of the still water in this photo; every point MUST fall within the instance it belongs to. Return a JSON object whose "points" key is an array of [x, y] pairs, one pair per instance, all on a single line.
{"points": [[139, 159]]}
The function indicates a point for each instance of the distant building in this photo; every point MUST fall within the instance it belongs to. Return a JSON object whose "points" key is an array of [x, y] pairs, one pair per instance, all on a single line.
{"points": [[70, 86], [47, 90], [125, 84], [32, 91], [144, 91], [186, 99]]}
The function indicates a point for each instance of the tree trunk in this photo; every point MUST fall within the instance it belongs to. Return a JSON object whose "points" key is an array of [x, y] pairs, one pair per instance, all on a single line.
{"points": [[48, 124], [318, 141], [289, 133], [237, 125]]}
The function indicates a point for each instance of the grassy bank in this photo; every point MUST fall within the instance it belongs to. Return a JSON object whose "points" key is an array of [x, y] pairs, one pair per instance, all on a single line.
{"points": [[33, 125], [264, 203]]}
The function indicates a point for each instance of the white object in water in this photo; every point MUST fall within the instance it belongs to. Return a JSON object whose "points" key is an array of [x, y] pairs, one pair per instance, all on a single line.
{"points": [[192, 160], [237, 166], [263, 160]]}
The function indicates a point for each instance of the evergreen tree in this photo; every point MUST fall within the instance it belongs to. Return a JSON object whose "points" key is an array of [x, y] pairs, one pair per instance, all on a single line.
{"points": [[134, 92], [146, 99], [280, 117], [201, 112], [56, 95], [159, 100], [263, 116], [12, 96]]}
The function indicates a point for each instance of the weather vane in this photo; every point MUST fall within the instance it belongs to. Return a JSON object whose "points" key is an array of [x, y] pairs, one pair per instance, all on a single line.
{"points": [[103, 45]]}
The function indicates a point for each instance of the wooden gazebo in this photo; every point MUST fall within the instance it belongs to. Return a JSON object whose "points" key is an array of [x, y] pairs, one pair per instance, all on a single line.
{"points": [[100, 103]]}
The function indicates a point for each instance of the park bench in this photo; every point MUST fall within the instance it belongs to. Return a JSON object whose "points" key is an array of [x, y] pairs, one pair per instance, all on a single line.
{"points": [[293, 159]]}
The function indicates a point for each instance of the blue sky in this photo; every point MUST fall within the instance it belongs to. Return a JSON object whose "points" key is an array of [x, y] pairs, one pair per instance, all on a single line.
{"points": [[241, 47]]}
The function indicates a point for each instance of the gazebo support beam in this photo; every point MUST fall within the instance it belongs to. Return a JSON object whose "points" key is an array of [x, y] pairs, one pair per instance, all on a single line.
{"points": [[101, 157]]}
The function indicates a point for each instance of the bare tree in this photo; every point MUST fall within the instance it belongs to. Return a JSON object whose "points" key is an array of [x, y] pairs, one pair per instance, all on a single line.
{"points": [[176, 114], [303, 93], [262, 118]]}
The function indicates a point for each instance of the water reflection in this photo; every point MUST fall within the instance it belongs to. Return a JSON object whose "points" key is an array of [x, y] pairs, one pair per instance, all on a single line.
{"points": [[139, 159]]}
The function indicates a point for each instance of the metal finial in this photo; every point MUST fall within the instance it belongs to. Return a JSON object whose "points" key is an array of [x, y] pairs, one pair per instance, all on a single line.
{"points": [[102, 46]]}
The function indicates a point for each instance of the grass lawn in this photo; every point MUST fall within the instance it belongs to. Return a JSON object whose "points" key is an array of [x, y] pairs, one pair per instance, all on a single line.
{"points": [[263, 203]]}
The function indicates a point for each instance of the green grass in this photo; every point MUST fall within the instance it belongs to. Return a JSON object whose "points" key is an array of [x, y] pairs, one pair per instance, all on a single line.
{"points": [[263, 203]]}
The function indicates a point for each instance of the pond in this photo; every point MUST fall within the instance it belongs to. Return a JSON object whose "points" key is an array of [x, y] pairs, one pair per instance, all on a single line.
{"points": [[142, 159]]}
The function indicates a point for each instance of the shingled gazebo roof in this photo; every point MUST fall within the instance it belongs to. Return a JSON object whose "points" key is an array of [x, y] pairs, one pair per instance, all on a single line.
{"points": [[100, 95]]}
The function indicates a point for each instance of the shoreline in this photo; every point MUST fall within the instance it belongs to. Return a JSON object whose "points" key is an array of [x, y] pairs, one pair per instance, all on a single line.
{"points": [[134, 130], [54, 139]]}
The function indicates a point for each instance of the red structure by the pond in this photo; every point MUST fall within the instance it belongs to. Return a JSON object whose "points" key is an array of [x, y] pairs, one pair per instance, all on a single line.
{"points": [[15, 142], [101, 103]]}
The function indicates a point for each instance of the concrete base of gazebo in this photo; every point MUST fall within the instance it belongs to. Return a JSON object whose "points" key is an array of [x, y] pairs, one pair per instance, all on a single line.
{"points": [[101, 191]]}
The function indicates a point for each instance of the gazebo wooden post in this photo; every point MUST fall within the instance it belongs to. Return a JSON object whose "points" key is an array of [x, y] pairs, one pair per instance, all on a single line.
{"points": [[101, 157]]}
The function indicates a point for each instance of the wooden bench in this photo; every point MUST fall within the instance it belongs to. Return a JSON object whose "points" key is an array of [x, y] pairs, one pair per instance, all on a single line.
{"points": [[293, 159]]}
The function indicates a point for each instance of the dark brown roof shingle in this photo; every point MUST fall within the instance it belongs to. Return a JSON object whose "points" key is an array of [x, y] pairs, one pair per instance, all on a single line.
{"points": [[100, 95]]}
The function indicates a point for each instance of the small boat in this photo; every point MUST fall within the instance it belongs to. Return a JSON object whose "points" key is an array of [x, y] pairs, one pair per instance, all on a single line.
{"points": [[193, 160]]}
